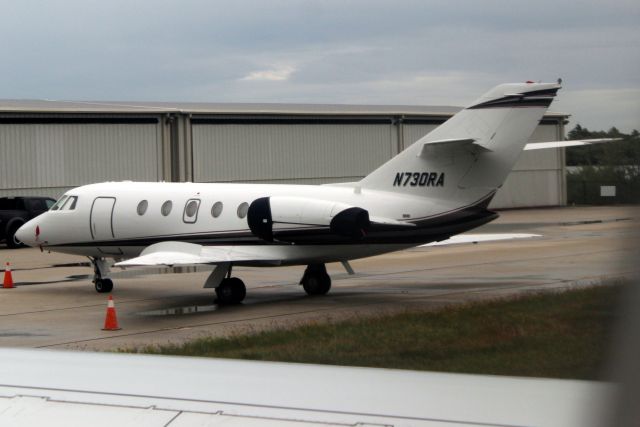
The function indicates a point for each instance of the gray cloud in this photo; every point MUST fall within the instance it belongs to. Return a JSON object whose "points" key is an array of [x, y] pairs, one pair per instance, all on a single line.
{"points": [[405, 52]]}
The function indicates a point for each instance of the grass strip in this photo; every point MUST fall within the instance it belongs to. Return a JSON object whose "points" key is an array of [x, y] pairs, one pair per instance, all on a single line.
{"points": [[556, 335]]}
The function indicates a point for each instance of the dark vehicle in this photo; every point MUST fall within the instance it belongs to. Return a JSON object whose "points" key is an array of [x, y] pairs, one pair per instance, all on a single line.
{"points": [[15, 211]]}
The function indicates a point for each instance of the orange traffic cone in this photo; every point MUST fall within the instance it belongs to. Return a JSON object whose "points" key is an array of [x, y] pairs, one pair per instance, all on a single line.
{"points": [[8, 278], [111, 321]]}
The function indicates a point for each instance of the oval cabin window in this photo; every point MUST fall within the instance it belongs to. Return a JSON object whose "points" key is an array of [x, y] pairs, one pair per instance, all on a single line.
{"points": [[190, 214], [142, 207], [166, 208], [216, 209], [191, 209], [242, 209]]}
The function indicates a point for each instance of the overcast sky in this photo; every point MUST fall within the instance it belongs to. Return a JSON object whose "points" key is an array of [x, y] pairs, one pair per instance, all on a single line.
{"points": [[359, 52]]}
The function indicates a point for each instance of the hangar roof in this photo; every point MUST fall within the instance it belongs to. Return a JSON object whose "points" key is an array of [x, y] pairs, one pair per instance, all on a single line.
{"points": [[111, 107]]}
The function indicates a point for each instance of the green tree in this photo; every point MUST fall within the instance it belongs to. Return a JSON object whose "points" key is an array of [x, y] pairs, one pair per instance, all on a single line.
{"points": [[615, 163]]}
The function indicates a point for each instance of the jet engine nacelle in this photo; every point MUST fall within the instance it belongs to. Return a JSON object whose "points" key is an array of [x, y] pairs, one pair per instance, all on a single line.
{"points": [[291, 218]]}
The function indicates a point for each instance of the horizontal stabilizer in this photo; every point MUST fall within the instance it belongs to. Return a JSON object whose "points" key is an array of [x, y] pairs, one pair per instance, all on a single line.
{"points": [[185, 254], [443, 145], [559, 144]]}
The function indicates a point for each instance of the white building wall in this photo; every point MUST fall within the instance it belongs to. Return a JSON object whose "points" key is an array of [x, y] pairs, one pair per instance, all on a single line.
{"points": [[49, 159]]}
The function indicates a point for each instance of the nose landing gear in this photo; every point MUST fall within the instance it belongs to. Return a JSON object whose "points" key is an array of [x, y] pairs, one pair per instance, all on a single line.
{"points": [[101, 269]]}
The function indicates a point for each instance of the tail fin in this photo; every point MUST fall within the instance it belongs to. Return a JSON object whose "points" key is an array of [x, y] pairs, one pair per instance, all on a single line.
{"points": [[468, 157]]}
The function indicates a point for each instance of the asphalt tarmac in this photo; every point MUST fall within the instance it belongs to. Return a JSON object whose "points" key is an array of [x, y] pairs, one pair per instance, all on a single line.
{"points": [[54, 304]]}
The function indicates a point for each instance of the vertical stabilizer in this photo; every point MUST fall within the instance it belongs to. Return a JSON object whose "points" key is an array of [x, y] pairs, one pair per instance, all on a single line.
{"points": [[468, 157]]}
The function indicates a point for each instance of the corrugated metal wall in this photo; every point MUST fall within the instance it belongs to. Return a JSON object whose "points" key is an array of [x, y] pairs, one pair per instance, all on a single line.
{"points": [[537, 178], [413, 132], [48, 159], [299, 153]]}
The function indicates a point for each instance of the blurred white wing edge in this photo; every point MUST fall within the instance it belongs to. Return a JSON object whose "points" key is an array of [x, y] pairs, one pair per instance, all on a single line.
{"points": [[62, 388]]}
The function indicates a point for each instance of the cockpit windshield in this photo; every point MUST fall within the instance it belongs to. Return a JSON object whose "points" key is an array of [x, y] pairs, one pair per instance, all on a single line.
{"points": [[59, 203], [66, 203]]}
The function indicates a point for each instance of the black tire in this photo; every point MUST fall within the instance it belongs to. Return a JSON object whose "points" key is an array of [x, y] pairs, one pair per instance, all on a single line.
{"points": [[104, 286], [316, 284], [231, 291], [12, 240]]}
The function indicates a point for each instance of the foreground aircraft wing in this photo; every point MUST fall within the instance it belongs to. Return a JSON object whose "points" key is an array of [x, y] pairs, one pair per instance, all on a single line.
{"points": [[63, 388], [181, 253], [559, 144]]}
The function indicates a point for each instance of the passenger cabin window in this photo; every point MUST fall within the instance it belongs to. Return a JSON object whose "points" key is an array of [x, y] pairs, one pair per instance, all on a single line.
{"points": [[243, 209], [216, 209], [142, 207], [191, 211], [166, 208]]}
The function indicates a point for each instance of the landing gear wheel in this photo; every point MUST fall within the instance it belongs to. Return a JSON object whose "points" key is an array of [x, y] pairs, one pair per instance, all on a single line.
{"points": [[104, 285], [101, 269], [315, 280], [231, 291]]}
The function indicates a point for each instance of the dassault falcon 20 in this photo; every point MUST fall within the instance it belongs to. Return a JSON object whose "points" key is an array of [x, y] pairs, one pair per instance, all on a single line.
{"points": [[436, 188]]}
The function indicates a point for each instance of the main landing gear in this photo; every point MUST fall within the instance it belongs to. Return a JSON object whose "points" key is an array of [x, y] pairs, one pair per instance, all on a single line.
{"points": [[315, 280], [101, 269], [230, 290]]}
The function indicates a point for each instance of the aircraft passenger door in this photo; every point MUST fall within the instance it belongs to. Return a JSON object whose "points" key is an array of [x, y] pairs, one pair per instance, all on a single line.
{"points": [[101, 223]]}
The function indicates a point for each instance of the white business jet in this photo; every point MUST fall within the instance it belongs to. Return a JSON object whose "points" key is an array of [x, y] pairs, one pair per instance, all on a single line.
{"points": [[436, 188]]}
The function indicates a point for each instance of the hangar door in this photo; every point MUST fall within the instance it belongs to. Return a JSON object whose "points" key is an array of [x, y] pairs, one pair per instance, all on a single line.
{"points": [[46, 159], [304, 153]]}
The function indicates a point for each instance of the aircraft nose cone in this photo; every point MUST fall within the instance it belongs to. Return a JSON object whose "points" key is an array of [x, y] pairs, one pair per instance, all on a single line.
{"points": [[27, 233]]}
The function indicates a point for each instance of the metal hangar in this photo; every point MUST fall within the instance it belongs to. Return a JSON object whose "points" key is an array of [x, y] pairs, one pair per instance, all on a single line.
{"points": [[48, 147]]}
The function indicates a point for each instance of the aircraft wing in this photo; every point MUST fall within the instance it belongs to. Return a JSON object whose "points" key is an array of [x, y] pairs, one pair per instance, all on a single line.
{"points": [[558, 144], [477, 238], [62, 388], [183, 254]]}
